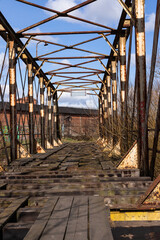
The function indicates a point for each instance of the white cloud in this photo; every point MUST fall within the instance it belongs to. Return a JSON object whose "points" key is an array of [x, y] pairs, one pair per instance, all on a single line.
{"points": [[103, 11], [150, 22], [133, 59], [2, 58], [46, 37], [87, 101], [60, 5], [106, 12], [66, 61]]}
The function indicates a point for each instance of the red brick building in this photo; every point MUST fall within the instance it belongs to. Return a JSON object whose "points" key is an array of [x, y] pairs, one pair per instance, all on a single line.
{"points": [[74, 122]]}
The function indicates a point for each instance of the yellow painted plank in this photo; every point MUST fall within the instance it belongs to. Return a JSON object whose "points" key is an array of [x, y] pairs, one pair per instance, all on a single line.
{"points": [[135, 216]]}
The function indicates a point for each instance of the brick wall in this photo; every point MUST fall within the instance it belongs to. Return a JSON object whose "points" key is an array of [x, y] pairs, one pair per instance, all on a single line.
{"points": [[73, 122]]}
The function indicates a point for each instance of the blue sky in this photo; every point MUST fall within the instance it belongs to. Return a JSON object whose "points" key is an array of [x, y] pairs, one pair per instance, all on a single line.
{"points": [[106, 12]]}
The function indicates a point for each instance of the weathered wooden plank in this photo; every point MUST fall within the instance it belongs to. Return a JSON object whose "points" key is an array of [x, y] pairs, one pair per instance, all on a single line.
{"points": [[77, 228], [99, 227], [37, 228], [106, 165], [57, 223], [72, 223], [9, 212], [56, 149], [82, 221], [16, 231], [3, 185]]}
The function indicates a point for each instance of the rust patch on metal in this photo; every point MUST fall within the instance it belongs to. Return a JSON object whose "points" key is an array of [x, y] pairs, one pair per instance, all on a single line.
{"points": [[39, 148], [152, 196], [49, 145], [130, 159], [21, 151]]}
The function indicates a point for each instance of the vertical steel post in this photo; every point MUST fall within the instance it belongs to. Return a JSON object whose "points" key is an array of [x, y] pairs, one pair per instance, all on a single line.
{"points": [[109, 103], [154, 57], [12, 93], [114, 99], [42, 112], [103, 125], [141, 93], [122, 54], [100, 117], [55, 118], [58, 120], [155, 141], [30, 99], [105, 109], [49, 115]]}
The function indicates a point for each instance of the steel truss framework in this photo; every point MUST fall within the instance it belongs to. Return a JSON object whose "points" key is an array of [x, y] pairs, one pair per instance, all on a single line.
{"points": [[40, 84]]}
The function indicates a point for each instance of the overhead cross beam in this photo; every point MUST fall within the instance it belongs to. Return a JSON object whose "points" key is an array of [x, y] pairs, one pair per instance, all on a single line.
{"points": [[61, 14], [66, 33], [14, 36], [76, 57], [57, 15]]}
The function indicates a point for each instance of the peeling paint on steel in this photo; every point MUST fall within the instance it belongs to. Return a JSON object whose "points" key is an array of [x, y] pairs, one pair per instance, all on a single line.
{"points": [[130, 160]]}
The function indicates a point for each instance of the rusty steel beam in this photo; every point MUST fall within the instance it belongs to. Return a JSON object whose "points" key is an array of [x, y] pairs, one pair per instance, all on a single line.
{"points": [[66, 83], [70, 66], [89, 40], [75, 65], [58, 121], [22, 50], [111, 46], [56, 15], [153, 60], [114, 99], [103, 66], [116, 39], [42, 115], [73, 48], [44, 41], [127, 10], [31, 117], [77, 57], [66, 33], [12, 94], [49, 128], [155, 141], [122, 54], [103, 122], [100, 117], [127, 81], [75, 89], [61, 14], [55, 135], [19, 43], [73, 78], [109, 100], [105, 109], [141, 93], [99, 71]]}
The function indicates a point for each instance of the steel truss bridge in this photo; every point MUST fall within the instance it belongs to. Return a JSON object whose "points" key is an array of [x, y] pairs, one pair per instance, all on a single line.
{"points": [[61, 190]]}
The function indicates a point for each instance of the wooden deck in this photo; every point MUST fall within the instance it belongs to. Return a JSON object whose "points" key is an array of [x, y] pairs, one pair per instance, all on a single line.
{"points": [[65, 194]]}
